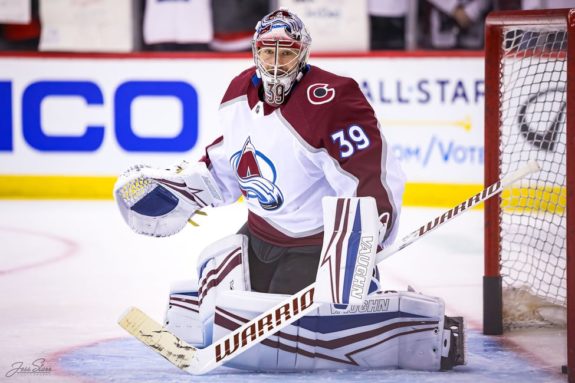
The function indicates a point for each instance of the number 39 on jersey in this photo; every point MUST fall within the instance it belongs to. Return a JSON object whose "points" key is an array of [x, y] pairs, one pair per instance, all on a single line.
{"points": [[350, 140]]}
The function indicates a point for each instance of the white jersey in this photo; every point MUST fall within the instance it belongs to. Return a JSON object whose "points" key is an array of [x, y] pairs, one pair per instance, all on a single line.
{"points": [[323, 141]]}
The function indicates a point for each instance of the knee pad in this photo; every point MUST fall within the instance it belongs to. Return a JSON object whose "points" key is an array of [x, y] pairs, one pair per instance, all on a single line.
{"points": [[182, 314], [389, 330], [221, 266]]}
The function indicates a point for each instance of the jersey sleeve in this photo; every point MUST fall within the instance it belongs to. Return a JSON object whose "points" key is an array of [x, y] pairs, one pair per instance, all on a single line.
{"points": [[219, 167], [215, 156], [354, 139]]}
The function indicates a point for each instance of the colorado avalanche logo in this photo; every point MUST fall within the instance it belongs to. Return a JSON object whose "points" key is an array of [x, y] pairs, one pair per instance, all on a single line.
{"points": [[256, 175], [319, 94]]}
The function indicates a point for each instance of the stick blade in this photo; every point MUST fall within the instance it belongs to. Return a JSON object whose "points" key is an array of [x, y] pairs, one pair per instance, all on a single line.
{"points": [[152, 334]]}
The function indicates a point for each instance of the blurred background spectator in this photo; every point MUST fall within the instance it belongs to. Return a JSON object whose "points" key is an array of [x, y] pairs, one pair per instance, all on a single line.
{"points": [[20, 25], [453, 24], [234, 22], [228, 25], [334, 26], [177, 25], [388, 23], [89, 26]]}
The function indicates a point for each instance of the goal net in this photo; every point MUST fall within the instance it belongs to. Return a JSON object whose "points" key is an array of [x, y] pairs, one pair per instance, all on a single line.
{"points": [[529, 115]]}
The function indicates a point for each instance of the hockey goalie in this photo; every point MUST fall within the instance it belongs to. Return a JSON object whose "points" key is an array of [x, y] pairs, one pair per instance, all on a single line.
{"points": [[323, 192]]}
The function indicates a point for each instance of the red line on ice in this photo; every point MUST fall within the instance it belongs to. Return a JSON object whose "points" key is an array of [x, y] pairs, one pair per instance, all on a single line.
{"points": [[71, 249]]}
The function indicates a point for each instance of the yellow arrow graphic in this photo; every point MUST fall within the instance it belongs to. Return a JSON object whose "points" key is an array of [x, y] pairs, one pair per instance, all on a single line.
{"points": [[465, 123]]}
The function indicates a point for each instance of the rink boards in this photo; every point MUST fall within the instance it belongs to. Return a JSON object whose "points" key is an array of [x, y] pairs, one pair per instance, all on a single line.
{"points": [[70, 124]]}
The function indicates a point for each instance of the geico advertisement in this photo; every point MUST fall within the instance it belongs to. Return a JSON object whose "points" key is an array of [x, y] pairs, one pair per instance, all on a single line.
{"points": [[97, 116]]}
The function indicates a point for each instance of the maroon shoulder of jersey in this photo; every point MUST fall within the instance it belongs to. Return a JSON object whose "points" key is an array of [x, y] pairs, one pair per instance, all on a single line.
{"points": [[241, 85], [331, 112], [323, 103], [237, 87]]}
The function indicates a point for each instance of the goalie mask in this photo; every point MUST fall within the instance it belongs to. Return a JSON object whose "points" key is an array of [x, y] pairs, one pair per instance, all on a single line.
{"points": [[281, 49]]}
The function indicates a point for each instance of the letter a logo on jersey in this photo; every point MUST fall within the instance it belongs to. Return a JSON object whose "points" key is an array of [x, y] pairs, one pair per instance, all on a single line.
{"points": [[248, 164], [256, 175]]}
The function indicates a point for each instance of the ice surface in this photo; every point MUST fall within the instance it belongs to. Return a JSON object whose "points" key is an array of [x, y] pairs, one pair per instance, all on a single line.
{"points": [[68, 269], [125, 360]]}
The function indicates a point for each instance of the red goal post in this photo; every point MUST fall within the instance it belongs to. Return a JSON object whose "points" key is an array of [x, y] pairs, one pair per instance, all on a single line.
{"points": [[530, 114]]}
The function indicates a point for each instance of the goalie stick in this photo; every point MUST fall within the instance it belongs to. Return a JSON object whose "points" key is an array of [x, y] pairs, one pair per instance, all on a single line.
{"points": [[200, 361]]}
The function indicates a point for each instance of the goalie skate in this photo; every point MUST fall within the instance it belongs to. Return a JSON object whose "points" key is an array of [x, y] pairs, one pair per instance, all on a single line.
{"points": [[456, 356]]}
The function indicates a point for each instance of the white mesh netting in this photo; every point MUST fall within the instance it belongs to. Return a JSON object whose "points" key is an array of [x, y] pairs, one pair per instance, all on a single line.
{"points": [[533, 223]]}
